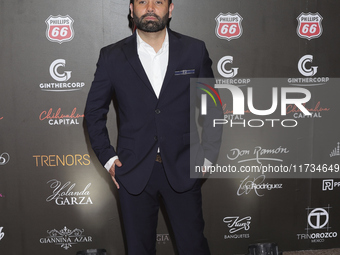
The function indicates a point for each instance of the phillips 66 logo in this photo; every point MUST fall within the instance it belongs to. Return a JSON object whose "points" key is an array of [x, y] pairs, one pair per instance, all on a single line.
{"points": [[228, 26], [59, 28], [309, 25]]}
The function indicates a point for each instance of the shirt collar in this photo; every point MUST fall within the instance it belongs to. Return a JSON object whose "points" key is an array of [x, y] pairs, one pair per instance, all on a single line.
{"points": [[146, 46]]}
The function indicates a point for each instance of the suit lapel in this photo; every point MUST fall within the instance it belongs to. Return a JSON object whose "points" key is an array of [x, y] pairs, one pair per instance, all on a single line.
{"points": [[130, 51], [175, 46]]}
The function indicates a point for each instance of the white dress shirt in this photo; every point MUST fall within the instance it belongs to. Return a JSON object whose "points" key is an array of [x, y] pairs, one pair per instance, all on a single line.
{"points": [[155, 65]]}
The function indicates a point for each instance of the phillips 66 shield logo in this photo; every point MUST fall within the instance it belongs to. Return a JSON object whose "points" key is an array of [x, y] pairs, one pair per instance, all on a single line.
{"points": [[228, 26], [59, 28], [309, 25]]}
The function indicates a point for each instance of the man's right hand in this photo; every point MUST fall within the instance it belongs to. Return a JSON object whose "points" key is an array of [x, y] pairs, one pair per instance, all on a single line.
{"points": [[112, 171]]}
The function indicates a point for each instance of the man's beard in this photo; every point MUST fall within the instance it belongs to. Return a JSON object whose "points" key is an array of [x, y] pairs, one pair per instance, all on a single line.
{"points": [[151, 25]]}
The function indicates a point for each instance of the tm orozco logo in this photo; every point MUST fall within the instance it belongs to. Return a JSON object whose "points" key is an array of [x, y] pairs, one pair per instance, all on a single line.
{"points": [[66, 238], [228, 26], [318, 224], [61, 76], [318, 218], [4, 158], [59, 28], [309, 25]]}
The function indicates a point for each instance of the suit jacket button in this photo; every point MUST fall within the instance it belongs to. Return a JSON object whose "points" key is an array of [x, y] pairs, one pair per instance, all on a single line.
{"points": [[156, 138], [157, 111]]}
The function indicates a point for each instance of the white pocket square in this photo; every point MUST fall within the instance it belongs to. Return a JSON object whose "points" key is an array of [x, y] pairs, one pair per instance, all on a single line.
{"points": [[185, 72]]}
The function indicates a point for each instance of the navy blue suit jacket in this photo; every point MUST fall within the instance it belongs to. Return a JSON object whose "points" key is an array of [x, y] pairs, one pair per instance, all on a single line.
{"points": [[146, 122]]}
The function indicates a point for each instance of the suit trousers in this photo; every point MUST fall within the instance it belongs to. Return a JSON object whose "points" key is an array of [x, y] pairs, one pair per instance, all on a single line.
{"points": [[140, 216]]}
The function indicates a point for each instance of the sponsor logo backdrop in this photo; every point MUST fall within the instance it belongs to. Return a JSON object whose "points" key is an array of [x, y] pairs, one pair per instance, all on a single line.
{"points": [[55, 197]]}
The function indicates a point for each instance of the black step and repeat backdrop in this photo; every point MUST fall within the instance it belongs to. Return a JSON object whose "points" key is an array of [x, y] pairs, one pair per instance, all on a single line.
{"points": [[281, 55]]}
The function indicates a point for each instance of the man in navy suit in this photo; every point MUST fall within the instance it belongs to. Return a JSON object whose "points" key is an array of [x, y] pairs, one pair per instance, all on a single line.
{"points": [[149, 74]]}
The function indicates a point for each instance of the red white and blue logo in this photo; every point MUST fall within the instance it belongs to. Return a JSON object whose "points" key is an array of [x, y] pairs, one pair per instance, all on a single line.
{"points": [[59, 28], [228, 26], [309, 25]]}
